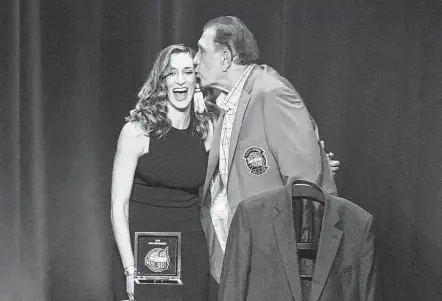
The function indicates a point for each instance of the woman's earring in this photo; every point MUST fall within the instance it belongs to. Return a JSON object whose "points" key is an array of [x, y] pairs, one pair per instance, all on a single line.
{"points": [[198, 100]]}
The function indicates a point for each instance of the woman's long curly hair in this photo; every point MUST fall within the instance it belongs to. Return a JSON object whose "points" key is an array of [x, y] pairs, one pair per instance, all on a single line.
{"points": [[151, 109]]}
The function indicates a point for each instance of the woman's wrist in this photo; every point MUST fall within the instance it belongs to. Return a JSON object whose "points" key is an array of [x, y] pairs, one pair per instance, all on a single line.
{"points": [[129, 270]]}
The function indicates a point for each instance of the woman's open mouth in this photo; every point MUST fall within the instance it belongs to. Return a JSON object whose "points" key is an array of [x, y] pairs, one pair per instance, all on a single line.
{"points": [[180, 93]]}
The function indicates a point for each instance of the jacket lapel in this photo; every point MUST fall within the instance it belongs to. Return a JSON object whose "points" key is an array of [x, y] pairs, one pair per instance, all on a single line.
{"points": [[329, 242], [286, 239], [213, 154], [240, 111]]}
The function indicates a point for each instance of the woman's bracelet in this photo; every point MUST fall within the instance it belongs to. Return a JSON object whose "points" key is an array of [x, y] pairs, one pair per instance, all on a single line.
{"points": [[129, 270]]}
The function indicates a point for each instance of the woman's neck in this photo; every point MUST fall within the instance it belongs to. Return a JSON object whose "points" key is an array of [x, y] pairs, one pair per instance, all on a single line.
{"points": [[179, 119]]}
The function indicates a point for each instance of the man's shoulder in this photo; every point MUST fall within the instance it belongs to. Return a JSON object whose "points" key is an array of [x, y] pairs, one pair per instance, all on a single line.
{"points": [[268, 71], [269, 80]]}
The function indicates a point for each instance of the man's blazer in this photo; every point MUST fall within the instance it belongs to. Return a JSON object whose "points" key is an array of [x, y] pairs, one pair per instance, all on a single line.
{"points": [[261, 260], [273, 138]]}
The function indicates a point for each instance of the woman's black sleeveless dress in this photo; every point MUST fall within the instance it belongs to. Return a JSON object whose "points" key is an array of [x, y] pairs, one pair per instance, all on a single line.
{"points": [[165, 199]]}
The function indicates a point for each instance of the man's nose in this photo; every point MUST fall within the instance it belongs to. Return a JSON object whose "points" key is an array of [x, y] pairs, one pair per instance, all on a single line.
{"points": [[196, 60]]}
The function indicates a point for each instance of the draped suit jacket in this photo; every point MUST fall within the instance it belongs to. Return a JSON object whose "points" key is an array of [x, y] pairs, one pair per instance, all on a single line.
{"points": [[273, 138], [261, 260]]}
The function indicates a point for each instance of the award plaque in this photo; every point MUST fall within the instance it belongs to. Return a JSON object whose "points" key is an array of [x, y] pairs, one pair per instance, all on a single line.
{"points": [[158, 258]]}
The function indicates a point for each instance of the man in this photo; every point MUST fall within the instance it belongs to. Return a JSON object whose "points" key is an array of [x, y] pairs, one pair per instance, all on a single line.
{"points": [[263, 136]]}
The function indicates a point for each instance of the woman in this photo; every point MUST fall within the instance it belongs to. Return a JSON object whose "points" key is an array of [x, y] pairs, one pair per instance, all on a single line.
{"points": [[159, 165]]}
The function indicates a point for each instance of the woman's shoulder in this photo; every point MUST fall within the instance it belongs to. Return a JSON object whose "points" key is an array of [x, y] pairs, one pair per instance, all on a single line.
{"points": [[133, 136], [209, 137], [133, 129]]}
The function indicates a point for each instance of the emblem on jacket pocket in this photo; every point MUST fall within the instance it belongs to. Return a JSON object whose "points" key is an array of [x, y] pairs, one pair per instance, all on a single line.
{"points": [[256, 160]]}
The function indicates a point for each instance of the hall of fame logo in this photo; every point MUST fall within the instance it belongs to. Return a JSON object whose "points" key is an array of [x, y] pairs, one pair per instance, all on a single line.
{"points": [[157, 259], [256, 160]]}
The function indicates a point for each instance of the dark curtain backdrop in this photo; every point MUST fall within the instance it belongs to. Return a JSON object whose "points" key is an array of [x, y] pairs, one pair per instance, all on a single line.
{"points": [[369, 71]]}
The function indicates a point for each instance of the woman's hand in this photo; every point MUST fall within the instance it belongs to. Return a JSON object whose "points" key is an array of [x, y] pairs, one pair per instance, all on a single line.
{"points": [[333, 163], [130, 286]]}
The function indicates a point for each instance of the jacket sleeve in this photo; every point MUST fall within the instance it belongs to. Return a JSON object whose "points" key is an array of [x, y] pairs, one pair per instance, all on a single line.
{"points": [[236, 265], [290, 135], [368, 265]]}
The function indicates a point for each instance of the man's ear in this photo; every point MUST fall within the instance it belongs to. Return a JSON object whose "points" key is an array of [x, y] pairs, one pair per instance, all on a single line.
{"points": [[226, 59]]}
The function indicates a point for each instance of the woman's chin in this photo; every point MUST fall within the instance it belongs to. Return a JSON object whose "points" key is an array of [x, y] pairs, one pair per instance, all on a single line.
{"points": [[181, 106]]}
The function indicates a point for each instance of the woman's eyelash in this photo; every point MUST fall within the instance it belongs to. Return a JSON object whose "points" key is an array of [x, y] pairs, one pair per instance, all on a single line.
{"points": [[187, 72]]}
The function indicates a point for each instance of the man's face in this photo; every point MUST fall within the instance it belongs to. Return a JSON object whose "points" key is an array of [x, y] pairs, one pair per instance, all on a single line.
{"points": [[207, 61]]}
